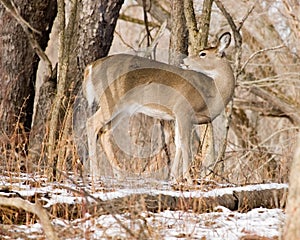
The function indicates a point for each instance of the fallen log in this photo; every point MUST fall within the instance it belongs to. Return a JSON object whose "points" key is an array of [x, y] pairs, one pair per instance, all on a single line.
{"points": [[140, 200], [242, 201]]}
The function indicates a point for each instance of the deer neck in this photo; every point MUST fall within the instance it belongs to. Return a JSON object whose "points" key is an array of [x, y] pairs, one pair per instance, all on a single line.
{"points": [[224, 80]]}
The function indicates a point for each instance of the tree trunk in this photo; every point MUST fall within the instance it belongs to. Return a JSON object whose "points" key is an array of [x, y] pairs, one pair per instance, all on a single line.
{"points": [[24, 31], [292, 223], [19, 61], [179, 35], [198, 38], [78, 46], [101, 16]]}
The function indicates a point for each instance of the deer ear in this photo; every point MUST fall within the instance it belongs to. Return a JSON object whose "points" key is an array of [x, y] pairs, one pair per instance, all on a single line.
{"points": [[224, 42]]}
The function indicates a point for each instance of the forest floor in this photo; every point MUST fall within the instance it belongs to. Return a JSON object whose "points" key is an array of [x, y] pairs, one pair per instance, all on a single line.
{"points": [[134, 209]]}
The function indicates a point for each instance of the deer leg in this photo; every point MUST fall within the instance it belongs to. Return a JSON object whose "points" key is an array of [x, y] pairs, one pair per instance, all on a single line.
{"points": [[176, 164], [186, 152], [183, 155], [93, 126], [110, 153], [106, 139]]}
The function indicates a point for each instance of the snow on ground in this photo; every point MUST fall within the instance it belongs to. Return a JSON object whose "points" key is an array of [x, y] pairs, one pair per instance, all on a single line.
{"points": [[217, 225], [220, 224]]}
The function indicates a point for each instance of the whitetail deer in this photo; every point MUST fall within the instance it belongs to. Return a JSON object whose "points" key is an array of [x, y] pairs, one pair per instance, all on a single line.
{"points": [[121, 85]]}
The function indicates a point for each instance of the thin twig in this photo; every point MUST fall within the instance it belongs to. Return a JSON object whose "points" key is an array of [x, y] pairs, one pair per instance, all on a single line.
{"points": [[238, 56], [39, 51], [247, 15], [127, 18], [220, 157], [159, 34], [146, 23], [237, 37], [253, 55], [226, 14], [109, 209], [12, 9], [123, 41]]}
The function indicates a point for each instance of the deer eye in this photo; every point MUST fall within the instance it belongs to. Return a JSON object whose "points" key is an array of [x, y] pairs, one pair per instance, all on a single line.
{"points": [[202, 54]]}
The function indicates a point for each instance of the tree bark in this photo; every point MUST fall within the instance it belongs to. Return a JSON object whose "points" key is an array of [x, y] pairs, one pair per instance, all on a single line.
{"points": [[292, 223], [101, 16], [179, 35], [204, 23], [19, 61], [84, 37], [66, 33], [96, 25]]}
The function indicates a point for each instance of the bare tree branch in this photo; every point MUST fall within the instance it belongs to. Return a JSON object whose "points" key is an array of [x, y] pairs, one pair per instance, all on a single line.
{"points": [[253, 55], [123, 41], [247, 15], [12, 9], [205, 23], [62, 69], [192, 25], [158, 12], [148, 33], [35, 209], [65, 40], [151, 49], [136, 20], [288, 109], [236, 34]]}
